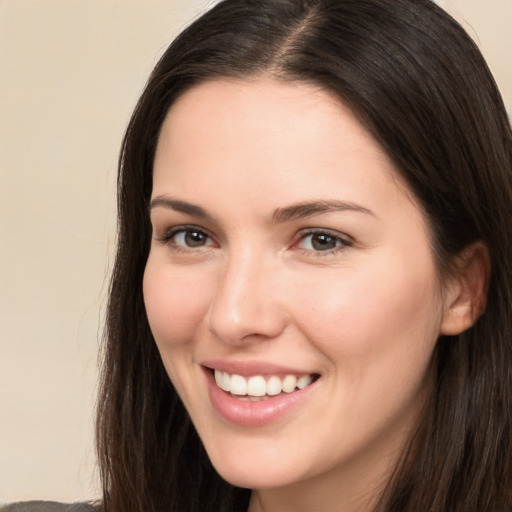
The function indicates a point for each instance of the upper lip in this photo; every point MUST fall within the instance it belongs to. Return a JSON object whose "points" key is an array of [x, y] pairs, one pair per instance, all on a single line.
{"points": [[251, 368]]}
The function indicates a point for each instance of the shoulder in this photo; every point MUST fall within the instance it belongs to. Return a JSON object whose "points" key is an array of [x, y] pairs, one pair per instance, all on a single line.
{"points": [[46, 506]]}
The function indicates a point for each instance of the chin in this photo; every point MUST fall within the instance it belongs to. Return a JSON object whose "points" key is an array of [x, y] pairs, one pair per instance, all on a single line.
{"points": [[251, 477], [253, 466]]}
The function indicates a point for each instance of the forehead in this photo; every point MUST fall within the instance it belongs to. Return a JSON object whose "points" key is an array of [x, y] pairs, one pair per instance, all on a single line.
{"points": [[268, 140], [266, 111]]}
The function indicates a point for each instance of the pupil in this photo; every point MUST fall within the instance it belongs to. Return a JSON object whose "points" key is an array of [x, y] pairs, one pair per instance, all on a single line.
{"points": [[323, 242], [194, 238]]}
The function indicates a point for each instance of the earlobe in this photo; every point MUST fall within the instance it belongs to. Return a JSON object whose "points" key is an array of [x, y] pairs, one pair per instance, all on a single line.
{"points": [[466, 294]]}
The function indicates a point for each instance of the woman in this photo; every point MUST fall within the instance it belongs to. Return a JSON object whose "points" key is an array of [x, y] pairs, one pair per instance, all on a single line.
{"points": [[373, 136], [312, 291]]}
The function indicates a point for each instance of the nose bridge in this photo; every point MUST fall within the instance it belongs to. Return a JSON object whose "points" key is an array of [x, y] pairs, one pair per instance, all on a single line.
{"points": [[245, 304]]}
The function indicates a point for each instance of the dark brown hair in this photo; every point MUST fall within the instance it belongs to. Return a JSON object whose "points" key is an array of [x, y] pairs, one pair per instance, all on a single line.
{"points": [[420, 86]]}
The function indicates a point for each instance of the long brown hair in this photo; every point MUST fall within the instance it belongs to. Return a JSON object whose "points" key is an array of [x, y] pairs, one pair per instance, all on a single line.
{"points": [[420, 86]]}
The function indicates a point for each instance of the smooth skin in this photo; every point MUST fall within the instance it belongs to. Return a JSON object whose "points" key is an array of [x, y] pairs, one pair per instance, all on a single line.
{"points": [[348, 289]]}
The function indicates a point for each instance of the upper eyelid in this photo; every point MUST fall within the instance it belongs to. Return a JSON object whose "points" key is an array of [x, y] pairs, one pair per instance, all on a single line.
{"points": [[169, 232], [166, 233], [159, 216], [331, 232], [345, 242]]}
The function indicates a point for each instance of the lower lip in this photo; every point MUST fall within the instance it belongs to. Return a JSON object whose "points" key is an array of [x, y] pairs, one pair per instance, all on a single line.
{"points": [[254, 414]]}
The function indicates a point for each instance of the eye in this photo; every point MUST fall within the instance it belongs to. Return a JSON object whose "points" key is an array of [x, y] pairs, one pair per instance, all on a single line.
{"points": [[187, 238], [191, 238], [322, 241]]}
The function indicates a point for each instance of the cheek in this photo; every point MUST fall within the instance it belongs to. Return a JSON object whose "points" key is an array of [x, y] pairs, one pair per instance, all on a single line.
{"points": [[377, 331], [372, 316], [175, 304]]}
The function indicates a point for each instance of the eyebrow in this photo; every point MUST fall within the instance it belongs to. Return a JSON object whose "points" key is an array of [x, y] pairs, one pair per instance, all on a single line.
{"points": [[310, 208], [179, 206], [280, 215]]}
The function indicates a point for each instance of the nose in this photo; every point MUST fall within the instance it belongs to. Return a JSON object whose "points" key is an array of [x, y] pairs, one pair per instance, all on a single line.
{"points": [[245, 305]]}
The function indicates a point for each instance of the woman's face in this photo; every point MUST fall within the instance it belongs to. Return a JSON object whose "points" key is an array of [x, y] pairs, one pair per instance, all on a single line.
{"points": [[287, 252]]}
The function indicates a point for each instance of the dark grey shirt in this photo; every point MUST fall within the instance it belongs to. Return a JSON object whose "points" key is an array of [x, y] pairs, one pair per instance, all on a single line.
{"points": [[46, 506]]}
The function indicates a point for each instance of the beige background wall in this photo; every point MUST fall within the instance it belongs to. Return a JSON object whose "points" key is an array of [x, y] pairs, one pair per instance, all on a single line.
{"points": [[70, 73]]}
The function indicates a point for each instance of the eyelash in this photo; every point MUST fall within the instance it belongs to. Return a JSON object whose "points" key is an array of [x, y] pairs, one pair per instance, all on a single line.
{"points": [[342, 242], [169, 237]]}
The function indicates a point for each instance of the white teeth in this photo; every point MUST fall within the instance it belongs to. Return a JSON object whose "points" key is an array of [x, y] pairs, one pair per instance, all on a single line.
{"points": [[256, 386], [289, 383], [226, 381], [274, 386], [223, 380], [304, 381], [238, 385]]}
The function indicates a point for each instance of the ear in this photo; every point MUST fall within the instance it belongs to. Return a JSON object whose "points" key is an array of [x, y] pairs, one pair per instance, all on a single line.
{"points": [[466, 292]]}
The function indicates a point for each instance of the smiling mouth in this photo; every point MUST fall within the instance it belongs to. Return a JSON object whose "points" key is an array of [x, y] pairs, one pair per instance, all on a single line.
{"points": [[258, 388]]}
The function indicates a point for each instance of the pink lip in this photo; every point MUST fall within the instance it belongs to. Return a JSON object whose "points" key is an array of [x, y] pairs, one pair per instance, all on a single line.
{"points": [[250, 368], [254, 414]]}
